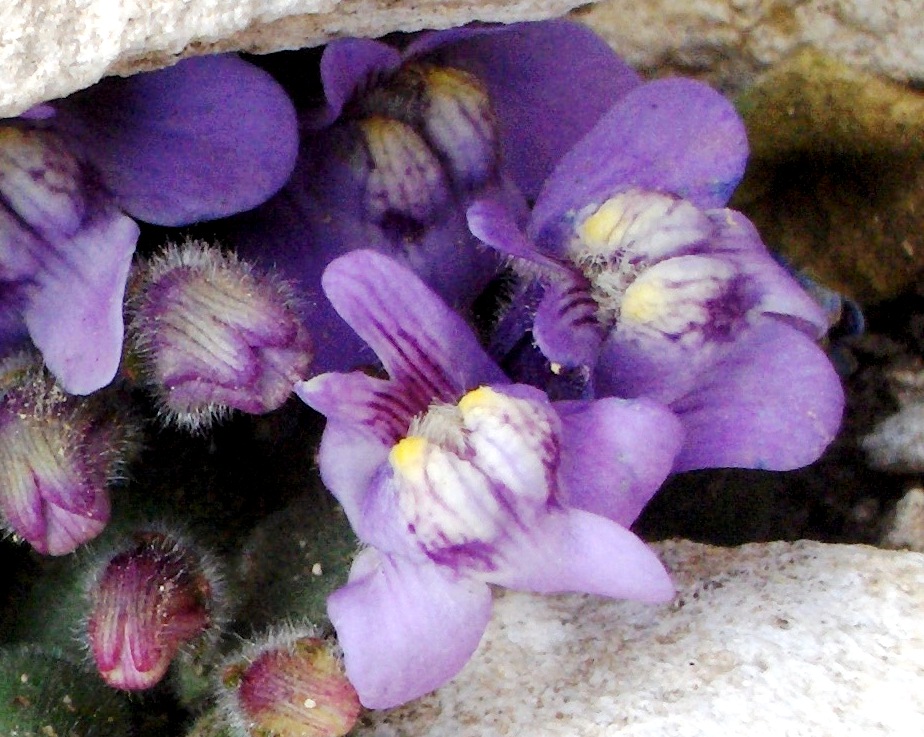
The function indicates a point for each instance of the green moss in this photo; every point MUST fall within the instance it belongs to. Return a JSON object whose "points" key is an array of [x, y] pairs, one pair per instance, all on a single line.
{"points": [[45, 695], [836, 177]]}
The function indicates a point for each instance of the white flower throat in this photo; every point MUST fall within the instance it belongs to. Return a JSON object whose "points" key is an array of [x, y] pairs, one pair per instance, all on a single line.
{"points": [[616, 241], [428, 131], [467, 472]]}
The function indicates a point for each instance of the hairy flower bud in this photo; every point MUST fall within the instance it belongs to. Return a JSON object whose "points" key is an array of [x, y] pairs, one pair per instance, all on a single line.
{"points": [[149, 600], [58, 455], [211, 334], [291, 685]]}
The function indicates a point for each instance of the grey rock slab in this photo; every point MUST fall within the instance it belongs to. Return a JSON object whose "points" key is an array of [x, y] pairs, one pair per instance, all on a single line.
{"points": [[906, 525], [897, 443], [730, 41], [781, 639], [50, 48]]}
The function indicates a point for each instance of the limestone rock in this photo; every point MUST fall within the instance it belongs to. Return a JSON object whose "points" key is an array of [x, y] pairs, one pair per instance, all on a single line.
{"points": [[50, 48], [773, 639], [906, 528], [812, 100], [897, 443], [730, 41]]}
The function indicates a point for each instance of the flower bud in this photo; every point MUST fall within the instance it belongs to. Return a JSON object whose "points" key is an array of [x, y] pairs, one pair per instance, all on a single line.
{"points": [[291, 685], [58, 455], [211, 334], [151, 599]]}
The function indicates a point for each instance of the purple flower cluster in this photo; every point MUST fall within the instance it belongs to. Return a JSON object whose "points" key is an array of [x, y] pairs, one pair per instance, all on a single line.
{"points": [[644, 329], [650, 287], [457, 478], [204, 139], [406, 140]]}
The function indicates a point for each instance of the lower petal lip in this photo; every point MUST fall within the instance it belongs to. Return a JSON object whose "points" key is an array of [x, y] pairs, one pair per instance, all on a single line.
{"points": [[394, 652]]}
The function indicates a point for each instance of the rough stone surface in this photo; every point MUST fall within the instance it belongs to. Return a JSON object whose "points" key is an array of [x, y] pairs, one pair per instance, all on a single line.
{"points": [[896, 443], [906, 528], [729, 41], [776, 639], [50, 48]]}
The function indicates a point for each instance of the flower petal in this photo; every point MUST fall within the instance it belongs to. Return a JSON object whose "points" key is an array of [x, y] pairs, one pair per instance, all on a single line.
{"points": [[672, 135], [423, 345], [616, 453], [774, 402], [550, 82], [576, 551], [737, 239], [676, 319], [566, 328], [430, 43], [204, 139], [74, 308], [65, 251], [360, 399], [349, 459], [565, 325], [13, 332], [392, 621], [494, 224], [349, 65], [366, 416], [631, 365]]}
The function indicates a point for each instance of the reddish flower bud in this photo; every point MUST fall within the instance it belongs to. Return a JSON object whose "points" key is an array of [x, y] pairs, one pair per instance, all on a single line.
{"points": [[149, 600], [291, 685], [58, 455]]}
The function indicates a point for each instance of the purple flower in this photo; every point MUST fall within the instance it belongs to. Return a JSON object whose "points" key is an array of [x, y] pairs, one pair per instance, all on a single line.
{"points": [[405, 139], [652, 288], [458, 479], [204, 139], [209, 334]]}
